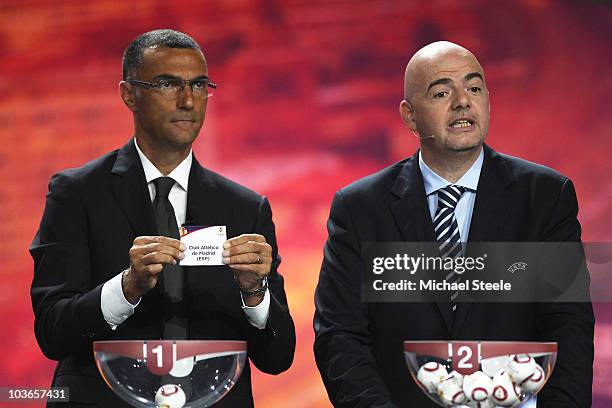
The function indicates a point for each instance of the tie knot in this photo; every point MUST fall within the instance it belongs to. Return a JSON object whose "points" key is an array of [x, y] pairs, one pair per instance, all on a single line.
{"points": [[163, 185], [449, 196]]}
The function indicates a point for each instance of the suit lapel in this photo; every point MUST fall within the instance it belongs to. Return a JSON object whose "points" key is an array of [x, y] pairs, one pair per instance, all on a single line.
{"points": [[130, 190], [410, 210], [489, 215], [411, 213], [205, 206]]}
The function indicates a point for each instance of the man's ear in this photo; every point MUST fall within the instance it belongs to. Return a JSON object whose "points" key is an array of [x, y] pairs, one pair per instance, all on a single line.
{"points": [[407, 114], [127, 94]]}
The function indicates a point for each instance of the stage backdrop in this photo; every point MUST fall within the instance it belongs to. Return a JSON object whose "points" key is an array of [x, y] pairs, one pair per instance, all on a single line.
{"points": [[307, 102]]}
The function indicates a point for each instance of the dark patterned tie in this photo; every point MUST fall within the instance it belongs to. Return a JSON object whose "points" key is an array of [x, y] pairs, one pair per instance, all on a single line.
{"points": [[447, 230], [173, 279]]}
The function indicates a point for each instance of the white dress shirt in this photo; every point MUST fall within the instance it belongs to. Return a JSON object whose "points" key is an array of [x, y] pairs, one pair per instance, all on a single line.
{"points": [[115, 307], [465, 206]]}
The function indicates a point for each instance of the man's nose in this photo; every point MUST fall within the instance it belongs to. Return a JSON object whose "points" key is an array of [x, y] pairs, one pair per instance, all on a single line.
{"points": [[186, 99], [461, 99]]}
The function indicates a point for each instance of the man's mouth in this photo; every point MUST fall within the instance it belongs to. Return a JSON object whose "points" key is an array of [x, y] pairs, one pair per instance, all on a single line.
{"points": [[185, 124], [461, 123]]}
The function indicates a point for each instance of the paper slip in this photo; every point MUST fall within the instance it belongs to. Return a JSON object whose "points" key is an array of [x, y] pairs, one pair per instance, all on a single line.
{"points": [[204, 245]]}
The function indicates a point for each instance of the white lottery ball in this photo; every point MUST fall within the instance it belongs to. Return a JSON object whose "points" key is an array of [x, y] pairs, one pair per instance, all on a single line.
{"points": [[431, 374], [455, 377], [170, 396], [505, 392], [450, 389], [477, 386], [534, 382], [521, 367], [480, 404]]}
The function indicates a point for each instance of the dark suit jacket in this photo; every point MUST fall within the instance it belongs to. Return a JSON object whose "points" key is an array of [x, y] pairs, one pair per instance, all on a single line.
{"points": [[91, 218], [359, 346]]}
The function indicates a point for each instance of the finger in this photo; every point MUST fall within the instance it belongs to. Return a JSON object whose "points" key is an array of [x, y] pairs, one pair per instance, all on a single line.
{"points": [[142, 271], [145, 240], [247, 247], [152, 282], [174, 243], [147, 254], [158, 258], [247, 259], [241, 239], [153, 269], [164, 249]]}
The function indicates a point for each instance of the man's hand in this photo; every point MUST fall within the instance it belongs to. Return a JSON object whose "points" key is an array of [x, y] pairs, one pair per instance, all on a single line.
{"points": [[147, 258], [250, 256]]}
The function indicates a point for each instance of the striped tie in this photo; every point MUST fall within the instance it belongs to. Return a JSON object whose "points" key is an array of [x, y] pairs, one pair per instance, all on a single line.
{"points": [[447, 230]]}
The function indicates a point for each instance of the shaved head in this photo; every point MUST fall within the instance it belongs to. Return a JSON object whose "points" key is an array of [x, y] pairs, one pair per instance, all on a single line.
{"points": [[446, 103], [421, 61]]}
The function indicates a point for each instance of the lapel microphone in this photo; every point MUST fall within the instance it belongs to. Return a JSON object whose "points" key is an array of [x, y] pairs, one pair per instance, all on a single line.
{"points": [[421, 137]]}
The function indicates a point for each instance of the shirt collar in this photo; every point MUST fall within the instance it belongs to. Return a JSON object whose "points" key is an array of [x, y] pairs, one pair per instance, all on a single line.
{"points": [[433, 182], [180, 174]]}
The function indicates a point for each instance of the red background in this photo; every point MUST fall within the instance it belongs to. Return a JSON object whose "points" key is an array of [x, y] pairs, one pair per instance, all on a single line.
{"points": [[307, 101]]}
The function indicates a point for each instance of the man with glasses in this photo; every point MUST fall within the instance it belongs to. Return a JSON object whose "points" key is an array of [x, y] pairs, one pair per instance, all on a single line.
{"points": [[107, 252]]}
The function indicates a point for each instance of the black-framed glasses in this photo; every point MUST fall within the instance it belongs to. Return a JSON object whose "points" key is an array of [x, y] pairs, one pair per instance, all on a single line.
{"points": [[171, 88]]}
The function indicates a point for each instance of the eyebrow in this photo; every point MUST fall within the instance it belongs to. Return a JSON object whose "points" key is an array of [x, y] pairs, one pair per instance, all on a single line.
{"points": [[473, 75], [445, 81], [441, 81]]}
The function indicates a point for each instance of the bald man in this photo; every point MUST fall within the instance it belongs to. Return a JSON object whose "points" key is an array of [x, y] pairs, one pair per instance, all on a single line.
{"points": [[358, 345]]}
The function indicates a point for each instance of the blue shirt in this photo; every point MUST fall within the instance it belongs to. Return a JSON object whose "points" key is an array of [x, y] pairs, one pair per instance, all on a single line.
{"points": [[465, 207]]}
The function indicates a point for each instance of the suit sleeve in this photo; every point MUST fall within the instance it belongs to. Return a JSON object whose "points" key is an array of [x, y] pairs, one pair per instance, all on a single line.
{"points": [[272, 349], [571, 325], [343, 346], [67, 310]]}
